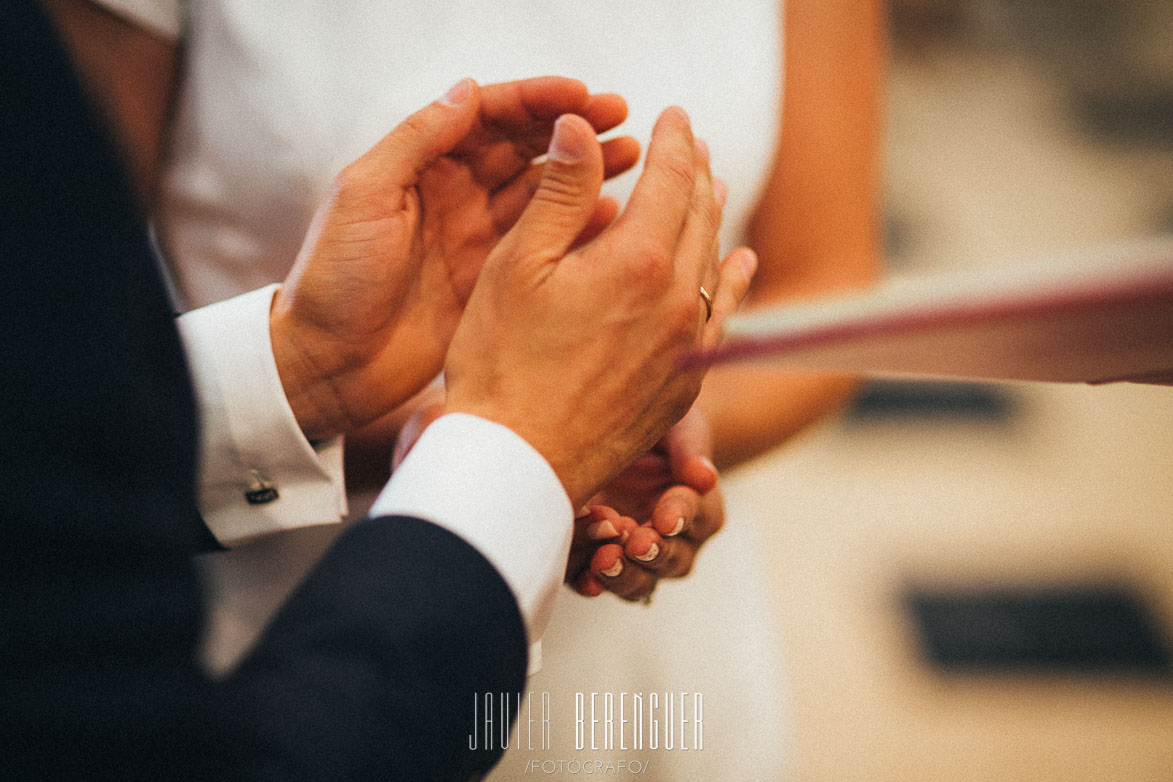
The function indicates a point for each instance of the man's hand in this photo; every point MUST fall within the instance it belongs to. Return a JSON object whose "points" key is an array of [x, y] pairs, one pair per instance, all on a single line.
{"points": [[576, 350], [366, 314]]}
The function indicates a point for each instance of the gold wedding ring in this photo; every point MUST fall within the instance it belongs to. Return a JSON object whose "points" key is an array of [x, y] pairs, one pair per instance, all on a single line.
{"points": [[708, 300]]}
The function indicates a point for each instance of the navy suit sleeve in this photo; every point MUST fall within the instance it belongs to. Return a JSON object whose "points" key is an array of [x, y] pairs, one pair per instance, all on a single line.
{"points": [[369, 670], [372, 668]]}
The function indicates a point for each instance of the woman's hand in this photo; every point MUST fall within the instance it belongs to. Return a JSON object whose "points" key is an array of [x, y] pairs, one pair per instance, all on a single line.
{"points": [[673, 491], [368, 311]]}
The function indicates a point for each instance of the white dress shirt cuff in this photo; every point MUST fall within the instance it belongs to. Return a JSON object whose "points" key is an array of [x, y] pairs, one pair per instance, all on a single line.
{"points": [[483, 482], [258, 473]]}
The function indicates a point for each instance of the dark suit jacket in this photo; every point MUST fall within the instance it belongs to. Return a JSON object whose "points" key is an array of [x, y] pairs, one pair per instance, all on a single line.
{"points": [[369, 671]]}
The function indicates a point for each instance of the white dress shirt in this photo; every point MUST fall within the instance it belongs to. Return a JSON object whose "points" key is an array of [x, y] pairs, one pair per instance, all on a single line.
{"points": [[473, 477], [249, 438]]}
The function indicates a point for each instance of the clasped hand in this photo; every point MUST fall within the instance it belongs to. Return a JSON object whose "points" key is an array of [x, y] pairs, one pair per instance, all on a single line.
{"points": [[366, 315], [651, 520], [447, 244]]}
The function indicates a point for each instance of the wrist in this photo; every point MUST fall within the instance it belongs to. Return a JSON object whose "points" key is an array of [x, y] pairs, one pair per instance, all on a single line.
{"points": [[307, 388], [574, 473]]}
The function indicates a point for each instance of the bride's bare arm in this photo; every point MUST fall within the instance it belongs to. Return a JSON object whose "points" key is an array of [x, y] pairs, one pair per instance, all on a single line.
{"points": [[816, 228]]}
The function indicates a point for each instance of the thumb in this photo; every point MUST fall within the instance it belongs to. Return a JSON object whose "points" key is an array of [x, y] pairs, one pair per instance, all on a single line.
{"points": [[398, 159], [564, 203]]}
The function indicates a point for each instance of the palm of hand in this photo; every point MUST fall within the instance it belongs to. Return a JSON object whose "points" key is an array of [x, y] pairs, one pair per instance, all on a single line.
{"points": [[462, 212], [392, 271]]}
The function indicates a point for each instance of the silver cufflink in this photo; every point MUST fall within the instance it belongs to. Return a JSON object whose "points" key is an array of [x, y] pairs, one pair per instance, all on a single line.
{"points": [[260, 491]]}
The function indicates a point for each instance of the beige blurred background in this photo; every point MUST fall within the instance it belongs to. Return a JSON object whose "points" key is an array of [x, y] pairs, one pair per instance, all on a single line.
{"points": [[1014, 128]]}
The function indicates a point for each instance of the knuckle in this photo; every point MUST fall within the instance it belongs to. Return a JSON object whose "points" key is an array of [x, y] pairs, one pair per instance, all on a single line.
{"points": [[682, 562], [559, 191], [687, 312], [414, 126], [711, 212], [359, 193], [351, 188], [679, 170], [349, 179], [651, 265]]}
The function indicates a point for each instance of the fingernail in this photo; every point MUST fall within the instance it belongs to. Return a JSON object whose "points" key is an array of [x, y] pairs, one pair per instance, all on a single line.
{"points": [[566, 146], [651, 554], [614, 570], [676, 529], [682, 113], [603, 512], [601, 530], [458, 93]]}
